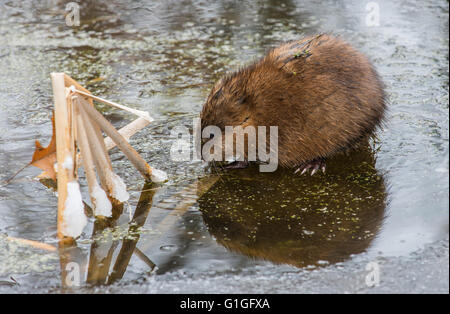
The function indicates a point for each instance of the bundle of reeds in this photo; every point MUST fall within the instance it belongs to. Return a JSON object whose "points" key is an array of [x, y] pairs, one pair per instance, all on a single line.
{"points": [[78, 126]]}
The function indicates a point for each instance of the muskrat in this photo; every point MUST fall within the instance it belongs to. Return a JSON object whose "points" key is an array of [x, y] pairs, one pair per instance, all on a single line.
{"points": [[324, 96]]}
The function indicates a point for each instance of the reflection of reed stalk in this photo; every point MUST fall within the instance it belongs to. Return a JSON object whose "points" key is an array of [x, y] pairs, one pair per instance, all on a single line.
{"points": [[98, 267], [189, 196], [129, 245]]}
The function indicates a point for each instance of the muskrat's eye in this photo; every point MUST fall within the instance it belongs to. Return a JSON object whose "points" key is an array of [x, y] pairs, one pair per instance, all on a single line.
{"points": [[242, 100], [246, 119]]}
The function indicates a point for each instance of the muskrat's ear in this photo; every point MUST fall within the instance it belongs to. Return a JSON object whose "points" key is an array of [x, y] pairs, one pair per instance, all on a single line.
{"points": [[218, 94]]}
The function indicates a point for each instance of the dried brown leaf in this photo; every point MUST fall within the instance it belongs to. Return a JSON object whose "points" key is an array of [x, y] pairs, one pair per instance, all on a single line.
{"points": [[45, 157]]}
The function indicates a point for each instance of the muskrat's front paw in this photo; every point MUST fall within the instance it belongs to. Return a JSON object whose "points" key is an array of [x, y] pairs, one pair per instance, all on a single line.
{"points": [[237, 165], [315, 165]]}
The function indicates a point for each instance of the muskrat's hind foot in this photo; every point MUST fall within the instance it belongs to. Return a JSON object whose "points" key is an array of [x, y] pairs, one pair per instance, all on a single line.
{"points": [[315, 165], [237, 165]]}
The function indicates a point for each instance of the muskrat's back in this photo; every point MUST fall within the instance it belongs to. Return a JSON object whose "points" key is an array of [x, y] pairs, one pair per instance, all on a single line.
{"points": [[323, 95]]}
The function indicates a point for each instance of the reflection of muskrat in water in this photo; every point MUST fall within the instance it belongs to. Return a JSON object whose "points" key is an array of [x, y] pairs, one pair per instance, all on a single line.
{"points": [[299, 221], [323, 95]]}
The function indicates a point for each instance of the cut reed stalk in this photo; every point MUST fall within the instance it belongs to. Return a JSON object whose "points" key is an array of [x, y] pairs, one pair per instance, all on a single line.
{"points": [[88, 161], [63, 146], [139, 163], [101, 160], [128, 131]]}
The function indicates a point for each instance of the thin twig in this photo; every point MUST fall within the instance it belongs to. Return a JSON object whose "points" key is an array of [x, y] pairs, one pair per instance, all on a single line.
{"points": [[143, 114], [35, 244], [144, 258], [7, 181]]}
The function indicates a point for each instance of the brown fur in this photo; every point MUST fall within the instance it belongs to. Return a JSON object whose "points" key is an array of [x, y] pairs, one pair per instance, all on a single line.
{"points": [[323, 95]]}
